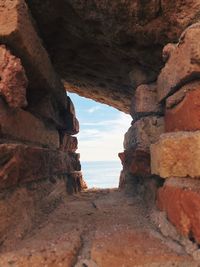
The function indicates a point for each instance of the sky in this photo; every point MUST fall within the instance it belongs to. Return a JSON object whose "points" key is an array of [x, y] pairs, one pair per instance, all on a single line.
{"points": [[102, 129]]}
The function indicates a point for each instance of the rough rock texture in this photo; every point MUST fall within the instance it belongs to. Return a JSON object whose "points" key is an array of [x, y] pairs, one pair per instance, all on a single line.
{"points": [[144, 132], [17, 124], [69, 143], [144, 102], [99, 228], [32, 143], [22, 164], [105, 49], [183, 65], [180, 199], [185, 115], [136, 162], [176, 155], [18, 32], [178, 96], [13, 81]]}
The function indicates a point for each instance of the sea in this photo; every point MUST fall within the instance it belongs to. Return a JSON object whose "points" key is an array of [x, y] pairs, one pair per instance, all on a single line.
{"points": [[101, 174]]}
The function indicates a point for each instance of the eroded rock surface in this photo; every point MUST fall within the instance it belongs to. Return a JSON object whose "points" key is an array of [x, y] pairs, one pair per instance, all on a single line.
{"points": [[100, 228], [105, 49]]}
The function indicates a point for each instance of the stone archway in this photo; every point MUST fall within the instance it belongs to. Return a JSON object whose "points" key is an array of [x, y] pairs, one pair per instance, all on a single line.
{"points": [[38, 120]]}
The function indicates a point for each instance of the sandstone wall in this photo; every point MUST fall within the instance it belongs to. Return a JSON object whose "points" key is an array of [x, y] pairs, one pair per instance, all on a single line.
{"points": [[37, 119], [164, 139]]}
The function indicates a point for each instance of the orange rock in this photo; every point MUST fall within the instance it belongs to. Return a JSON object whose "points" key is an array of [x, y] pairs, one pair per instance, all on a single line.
{"points": [[13, 82], [176, 155], [136, 162], [185, 116], [126, 248], [180, 199]]}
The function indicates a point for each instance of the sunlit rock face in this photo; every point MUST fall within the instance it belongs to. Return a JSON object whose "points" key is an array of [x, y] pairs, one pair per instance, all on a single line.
{"points": [[105, 49]]}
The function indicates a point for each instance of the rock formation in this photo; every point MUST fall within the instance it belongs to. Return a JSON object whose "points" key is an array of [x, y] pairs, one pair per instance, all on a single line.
{"points": [[141, 57]]}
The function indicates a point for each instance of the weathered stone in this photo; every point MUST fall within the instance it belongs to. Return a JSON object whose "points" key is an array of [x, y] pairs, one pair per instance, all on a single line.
{"points": [[109, 248], [185, 115], [17, 31], [72, 125], [145, 101], [13, 81], [22, 163], [69, 143], [144, 132], [136, 162], [176, 155], [17, 124], [99, 43], [177, 97], [167, 51], [180, 198], [183, 64], [75, 182], [64, 119]]}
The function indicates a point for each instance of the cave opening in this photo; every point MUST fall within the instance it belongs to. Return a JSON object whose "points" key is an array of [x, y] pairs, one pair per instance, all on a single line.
{"points": [[100, 139]]}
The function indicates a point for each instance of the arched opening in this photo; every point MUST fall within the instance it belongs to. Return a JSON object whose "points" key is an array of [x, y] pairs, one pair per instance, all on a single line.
{"points": [[100, 139]]}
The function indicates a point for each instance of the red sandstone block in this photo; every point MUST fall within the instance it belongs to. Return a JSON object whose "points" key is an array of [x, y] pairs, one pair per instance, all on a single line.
{"points": [[185, 116], [22, 163], [136, 162], [180, 199]]}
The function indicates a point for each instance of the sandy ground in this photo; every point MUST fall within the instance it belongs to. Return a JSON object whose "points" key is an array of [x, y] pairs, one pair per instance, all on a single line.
{"points": [[96, 228]]}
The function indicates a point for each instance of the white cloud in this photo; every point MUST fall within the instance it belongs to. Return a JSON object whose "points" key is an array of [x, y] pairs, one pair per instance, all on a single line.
{"points": [[104, 144], [93, 109]]}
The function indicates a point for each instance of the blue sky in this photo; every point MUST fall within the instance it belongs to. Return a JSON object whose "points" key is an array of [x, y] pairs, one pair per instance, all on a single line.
{"points": [[102, 129]]}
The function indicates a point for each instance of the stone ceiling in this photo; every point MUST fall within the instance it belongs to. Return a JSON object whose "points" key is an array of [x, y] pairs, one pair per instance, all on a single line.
{"points": [[104, 49]]}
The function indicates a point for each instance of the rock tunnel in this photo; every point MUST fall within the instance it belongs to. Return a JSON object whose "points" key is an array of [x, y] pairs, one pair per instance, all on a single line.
{"points": [[141, 57]]}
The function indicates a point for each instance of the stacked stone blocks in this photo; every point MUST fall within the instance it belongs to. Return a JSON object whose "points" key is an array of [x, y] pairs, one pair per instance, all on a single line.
{"points": [[176, 156], [37, 119], [147, 125]]}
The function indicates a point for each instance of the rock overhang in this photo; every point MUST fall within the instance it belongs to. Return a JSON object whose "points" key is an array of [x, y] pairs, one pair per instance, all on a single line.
{"points": [[104, 50]]}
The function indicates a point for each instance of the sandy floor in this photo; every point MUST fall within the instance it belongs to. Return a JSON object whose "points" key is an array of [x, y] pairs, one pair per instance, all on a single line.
{"points": [[103, 228]]}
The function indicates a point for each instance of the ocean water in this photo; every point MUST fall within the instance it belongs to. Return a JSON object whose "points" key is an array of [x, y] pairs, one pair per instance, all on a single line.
{"points": [[101, 174]]}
